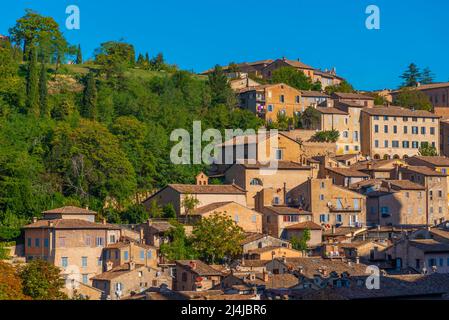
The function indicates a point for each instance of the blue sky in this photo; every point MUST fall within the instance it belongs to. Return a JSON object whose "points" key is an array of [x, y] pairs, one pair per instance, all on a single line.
{"points": [[198, 34]]}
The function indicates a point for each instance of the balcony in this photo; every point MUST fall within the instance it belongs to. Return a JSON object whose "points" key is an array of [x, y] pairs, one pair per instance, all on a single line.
{"points": [[333, 208]]}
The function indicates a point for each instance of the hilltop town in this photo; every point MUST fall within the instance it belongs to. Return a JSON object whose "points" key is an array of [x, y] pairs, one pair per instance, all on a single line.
{"points": [[360, 190]]}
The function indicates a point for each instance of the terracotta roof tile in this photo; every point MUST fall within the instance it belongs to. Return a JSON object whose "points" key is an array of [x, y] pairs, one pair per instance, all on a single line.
{"points": [[398, 112], [70, 224], [201, 268], [207, 189], [305, 225], [327, 110], [69, 210], [426, 171], [347, 172], [343, 95]]}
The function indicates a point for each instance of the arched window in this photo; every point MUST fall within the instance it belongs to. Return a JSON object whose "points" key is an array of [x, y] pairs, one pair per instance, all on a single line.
{"points": [[376, 156], [256, 182]]}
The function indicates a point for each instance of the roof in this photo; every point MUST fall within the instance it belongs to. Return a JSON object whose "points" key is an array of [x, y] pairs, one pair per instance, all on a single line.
{"points": [[440, 232], [398, 112], [392, 286], [347, 172], [311, 93], [161, 226], [213, 206], [366, 183], [281, 210], [426, 171], [285, 280], [268, 248], [70, 210], [296, 64], [304, 225], [342, 231], [200, 269], [326, 110], [280, 165], [375, 165], [70, 224], [405, 185], [252, 236], [116, 272], [438, 161], [343, 95], [312, 265], [430, 245], [207, 189], [429, 86]]}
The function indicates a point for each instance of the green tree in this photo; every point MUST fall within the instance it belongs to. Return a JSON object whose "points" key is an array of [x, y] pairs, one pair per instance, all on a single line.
{"points": [[427, 150], [217, 237], [411, 76], [301, 244], [221, 92], [178, 247], [326, 136], [42, 281], [169, 211], [135, 213], [189, 204], [427, 76], [292, 77], [79, 55], [413, 99], [41, 33], [343, 87], [43, 91], [155, 210], [310, 118], [32, 88], [89, 109]]}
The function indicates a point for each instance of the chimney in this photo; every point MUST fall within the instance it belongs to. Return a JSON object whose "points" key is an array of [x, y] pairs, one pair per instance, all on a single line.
{"points": [[285, 193], [192, 265], [50, 223], [132, 265], [265, 276], [357, 260], [141, 236], [34, 219], [333, 229], [109, 265]]}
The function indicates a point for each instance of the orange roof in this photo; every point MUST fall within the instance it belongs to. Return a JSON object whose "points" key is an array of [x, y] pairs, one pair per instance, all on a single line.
{"points": [[69, 210], [69, 224], [304, 225]]}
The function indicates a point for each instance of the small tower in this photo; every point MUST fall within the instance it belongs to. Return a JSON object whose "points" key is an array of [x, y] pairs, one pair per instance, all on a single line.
{"points": [[202, 179]]}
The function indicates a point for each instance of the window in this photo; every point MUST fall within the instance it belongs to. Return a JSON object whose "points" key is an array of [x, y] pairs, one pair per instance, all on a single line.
{"points": [[415, 145], [112, 238], [116, 255], [405, 144], [279, 154], [415, 119], [270, 108], [37, 242], [29, 242], [142, 255], [395, 144], [385, 211], [64, 262], [324, 217], [385, 129], [356, 148], [356, 136], [125, 255], [345, 134], [150, 254], [46, 243], [432, 131], [322, 197], [431, 262], [376, 128], [346, 148], [386, 144], [405, 119], [423, 130], [236, 218], [84, 262], [85, 278], [339, 218], [255, 182], [99, 241], [297, 99], [322, 185], [395, 129], [281, 98], [376, 143], [276, 200], [405, 129], [414, 130], [254, 218], [356, 204], [376, 117]]}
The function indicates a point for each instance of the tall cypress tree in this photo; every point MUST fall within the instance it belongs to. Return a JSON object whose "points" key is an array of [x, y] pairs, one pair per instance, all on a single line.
{"points": [[43, 91], [89, 108], [32, 84], [79, 55]]}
